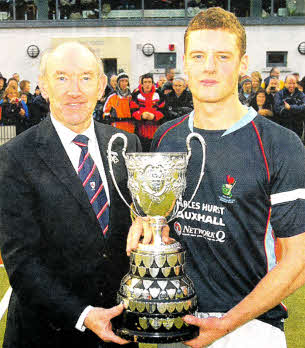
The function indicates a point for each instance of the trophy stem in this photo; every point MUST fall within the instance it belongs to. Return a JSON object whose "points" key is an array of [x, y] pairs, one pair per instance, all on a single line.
{"points": [[157, 223]]}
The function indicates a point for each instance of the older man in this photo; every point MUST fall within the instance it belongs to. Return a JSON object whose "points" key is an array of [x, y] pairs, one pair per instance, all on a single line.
{"points": [[61, 240], [289, 105]]}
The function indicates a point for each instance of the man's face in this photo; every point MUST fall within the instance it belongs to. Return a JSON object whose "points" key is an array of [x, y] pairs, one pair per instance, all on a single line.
{"points": [[178, 87], [161, 81], [147, 85], [275, 73], [291, 84], [123, 84], [212, 63], [27, 87], [247, 87], [73, 86], [16, 77], [37, 92], [274, 83], [170, 75]]}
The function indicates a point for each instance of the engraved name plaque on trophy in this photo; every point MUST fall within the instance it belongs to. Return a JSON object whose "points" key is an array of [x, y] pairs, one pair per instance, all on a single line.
{"points": [[156, 291]]}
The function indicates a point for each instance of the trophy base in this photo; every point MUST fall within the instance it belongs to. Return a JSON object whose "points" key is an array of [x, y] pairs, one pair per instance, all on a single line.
{"points": [[158, 337]]}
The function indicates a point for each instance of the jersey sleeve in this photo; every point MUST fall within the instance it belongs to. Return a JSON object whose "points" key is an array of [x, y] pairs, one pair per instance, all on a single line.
{"points": [[288, 188]]}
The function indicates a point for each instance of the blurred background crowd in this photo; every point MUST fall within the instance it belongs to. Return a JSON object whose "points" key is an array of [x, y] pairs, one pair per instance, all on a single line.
{"points": [[143, 109]]}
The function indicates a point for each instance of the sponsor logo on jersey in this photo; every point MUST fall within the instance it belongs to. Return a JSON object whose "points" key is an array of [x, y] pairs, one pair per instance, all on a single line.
{"points": [[189, 231], [227, 190]]}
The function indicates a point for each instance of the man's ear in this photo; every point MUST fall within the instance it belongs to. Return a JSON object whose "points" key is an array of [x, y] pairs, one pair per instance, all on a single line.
{"points": [[244, 62], [102, 86], [43, 87]]}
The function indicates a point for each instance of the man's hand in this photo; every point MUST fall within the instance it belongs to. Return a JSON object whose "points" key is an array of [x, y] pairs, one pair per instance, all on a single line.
{"points": [[286, 105], [98, 320], [211, 329], [21, 112], [148, 116], [141, 228]]}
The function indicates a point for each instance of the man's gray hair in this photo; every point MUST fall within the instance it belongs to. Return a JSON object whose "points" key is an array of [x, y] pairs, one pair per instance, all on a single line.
{"points": [[47, 53], [179, 79]]}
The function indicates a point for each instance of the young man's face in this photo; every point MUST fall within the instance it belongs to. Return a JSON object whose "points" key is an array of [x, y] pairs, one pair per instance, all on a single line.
{"points": [[147, 85], [212, 63]]}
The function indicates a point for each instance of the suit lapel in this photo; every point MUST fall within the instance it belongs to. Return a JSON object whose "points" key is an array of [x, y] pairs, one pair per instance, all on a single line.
{"points": [[53, 154]]}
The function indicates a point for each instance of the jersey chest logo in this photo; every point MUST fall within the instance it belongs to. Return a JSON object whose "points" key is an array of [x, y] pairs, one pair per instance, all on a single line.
{"points": [[227, 196]]}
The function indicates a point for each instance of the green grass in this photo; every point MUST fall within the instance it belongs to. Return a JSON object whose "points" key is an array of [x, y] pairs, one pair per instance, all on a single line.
{"points": [[294, 326], [4, 285]]}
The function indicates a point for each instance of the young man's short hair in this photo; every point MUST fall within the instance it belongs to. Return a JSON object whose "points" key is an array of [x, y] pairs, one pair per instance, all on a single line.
{"points": [[147, 76], [217, 18]]}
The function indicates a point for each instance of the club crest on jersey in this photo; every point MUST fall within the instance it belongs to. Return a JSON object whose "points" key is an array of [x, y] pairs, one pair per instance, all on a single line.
{"points": [[177, 228], [227, 190]]}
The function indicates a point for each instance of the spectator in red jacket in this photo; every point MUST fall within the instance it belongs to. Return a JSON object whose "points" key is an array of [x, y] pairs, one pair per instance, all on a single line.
{"points": [[146, 108]]}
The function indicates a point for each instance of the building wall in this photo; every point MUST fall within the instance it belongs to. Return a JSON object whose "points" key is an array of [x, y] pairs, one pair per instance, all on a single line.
{"points": [[125, 44]]}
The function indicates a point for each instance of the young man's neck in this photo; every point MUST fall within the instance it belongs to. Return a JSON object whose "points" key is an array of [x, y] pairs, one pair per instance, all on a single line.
{"points": [[218, 116]]}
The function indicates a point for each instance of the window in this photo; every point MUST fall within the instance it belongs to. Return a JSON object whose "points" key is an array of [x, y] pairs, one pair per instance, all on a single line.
{"points": [[165, 60], [276, 58]]}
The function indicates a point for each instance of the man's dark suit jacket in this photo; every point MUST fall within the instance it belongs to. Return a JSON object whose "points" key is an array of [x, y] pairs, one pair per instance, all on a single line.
{"points": [[55, 254]]}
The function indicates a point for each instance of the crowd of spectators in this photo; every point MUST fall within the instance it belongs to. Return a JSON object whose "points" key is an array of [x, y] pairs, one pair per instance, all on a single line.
{"points": [[282, 101], [18, 106], [152, 103]]}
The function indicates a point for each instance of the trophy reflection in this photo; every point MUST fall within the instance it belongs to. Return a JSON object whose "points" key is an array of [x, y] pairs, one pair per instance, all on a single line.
{"points": [[156, 291]]}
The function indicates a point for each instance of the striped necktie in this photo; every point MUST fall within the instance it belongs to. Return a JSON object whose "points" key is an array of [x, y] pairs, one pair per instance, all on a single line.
{"points": [[92, 183]]}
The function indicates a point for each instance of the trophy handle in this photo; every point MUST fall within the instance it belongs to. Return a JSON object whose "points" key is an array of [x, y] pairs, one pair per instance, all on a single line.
{"points": [[189, 153], [112, 157]]}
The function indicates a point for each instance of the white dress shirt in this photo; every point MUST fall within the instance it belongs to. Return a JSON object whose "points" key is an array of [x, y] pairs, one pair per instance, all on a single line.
{"points": [[73, 151]]}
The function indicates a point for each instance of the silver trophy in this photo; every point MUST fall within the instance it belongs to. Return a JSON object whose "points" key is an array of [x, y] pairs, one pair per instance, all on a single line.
{"points": [[156, 292]]}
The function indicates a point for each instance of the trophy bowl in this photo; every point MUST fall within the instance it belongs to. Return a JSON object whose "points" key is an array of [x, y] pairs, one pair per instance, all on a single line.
{"points": [[156, 292]]}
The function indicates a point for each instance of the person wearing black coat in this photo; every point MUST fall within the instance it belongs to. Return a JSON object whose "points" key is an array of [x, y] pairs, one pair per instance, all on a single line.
{"points": [[289, 105], [39, 109], [179, 101]]}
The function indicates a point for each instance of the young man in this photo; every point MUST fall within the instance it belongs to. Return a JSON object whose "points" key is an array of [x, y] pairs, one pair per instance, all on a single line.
{"points": [[252, 191], [146, 108], [116, 108]]}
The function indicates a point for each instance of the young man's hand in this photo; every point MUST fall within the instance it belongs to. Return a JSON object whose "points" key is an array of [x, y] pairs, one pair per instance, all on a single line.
{"points": [[140, 228], [211, 329]]}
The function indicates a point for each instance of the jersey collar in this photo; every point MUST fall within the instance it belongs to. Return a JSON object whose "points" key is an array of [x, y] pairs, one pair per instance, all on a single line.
{"points": [[247, 118]]}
